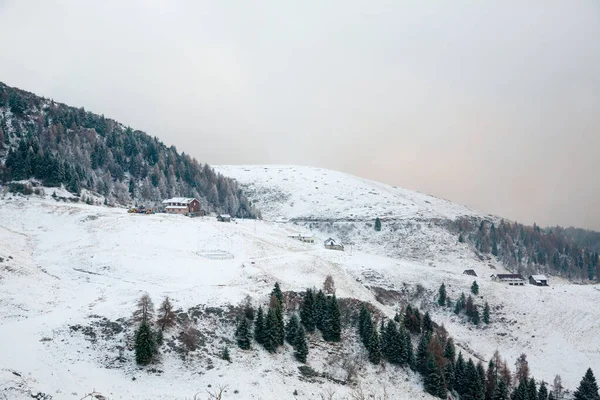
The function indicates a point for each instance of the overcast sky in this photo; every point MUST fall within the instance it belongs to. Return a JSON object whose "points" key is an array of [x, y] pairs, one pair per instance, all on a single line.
{"points": [[492, 104]]}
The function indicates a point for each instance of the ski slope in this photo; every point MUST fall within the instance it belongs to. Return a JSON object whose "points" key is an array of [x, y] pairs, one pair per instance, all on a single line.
{"points": [[68, 268]]}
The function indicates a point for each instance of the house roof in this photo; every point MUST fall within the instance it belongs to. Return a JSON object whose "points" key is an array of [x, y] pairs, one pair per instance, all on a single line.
{"points": [[470, 272], [224, 215], [185, 200], [330, 241], [176, 207], [539, 277], [510, 276]]}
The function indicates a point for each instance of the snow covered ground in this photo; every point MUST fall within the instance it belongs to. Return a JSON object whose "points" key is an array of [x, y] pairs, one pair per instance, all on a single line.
{"points": [[67, 267]]}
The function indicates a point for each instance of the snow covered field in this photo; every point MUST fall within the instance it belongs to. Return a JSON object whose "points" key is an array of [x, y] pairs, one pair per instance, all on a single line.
{"points": [[66, 266]]}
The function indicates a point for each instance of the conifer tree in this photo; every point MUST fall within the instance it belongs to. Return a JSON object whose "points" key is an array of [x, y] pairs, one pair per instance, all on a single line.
{"points": [[225, 354], [377, 224], [334, 328], [280, 328], [362, 322], [469, 307], [307, 311], [450, 350], [475, 288], [375, 348], [460, 375], [475, 315], [277, 293], [460, 304], [259, 326], [532, 390], [442, 295], [491, 380], [271, 341], [501, 391], [427, 323], [301, 347], [474, 389], [145, 346], [422, 352], [367, 330], [449, 375], [391, 348], [410, 354], [432, 378], [320, 309], [542, 392], [588, 388], [291, 329], [486, 313], [461, 238], [244, 334]]}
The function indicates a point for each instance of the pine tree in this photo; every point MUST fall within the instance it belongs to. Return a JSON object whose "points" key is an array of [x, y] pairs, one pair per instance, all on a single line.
{"points": [[225, 354], [442, 295], [450, 350], [367, 329], [427, 323], [501, 392], [449, 375], [410, 354], [291, 329], [333, 330], [532, 390], [280, 327], [145, 346], [422, 352], [301, 347], [588, 388], [259, 327], [390, 340], [475, 316], [469, 307], [460, 375], [277, 293], [244, 334], [271, 341], [475, 288], [432, 379], [307, 311], [375, 348], [461, 238], [486, 313], [543, 392], [320, 309], [474, 389], [377, 224]]}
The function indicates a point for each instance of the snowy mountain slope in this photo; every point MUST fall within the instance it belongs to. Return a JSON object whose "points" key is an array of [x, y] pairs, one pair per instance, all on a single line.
{"points": [[77, 269], [297, 192]]}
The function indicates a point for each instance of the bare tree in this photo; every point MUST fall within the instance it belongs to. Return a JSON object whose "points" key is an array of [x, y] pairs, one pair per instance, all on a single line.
{"points": [[558, 388], [145, 309], [216, 394], [327, 394], [167, 317], [358, 393], [189, 336], [329, 285], [350, 365], [521, 369]]}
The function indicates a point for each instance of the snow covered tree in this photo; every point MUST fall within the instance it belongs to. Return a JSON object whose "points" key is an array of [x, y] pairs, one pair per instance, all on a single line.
{"points": [[450, 350], [377, 224], [542, 392], [291, 329], [410, 354], [332, 325], [475, 288], [422, 352], [470, 306], [320, 309], [301, 347], [475, 315], [432, 379], [167, 317], [259, 326], [486, 313], [244, 334], [307, 311], [474, 388], [329, 285], [271, 340], [225, 354], [501, 391], [277, 293], [588, 388], [427, 323], [145, 345], [442, 295], [374, 348]]}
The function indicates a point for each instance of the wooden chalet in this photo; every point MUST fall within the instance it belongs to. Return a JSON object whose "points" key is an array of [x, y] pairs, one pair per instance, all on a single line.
{"points": [[183, 205], [538, 280], [469, 272], [510, 279], [224, 218]]}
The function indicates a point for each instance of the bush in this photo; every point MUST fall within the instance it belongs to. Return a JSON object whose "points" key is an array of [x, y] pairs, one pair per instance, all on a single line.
{"points": [[24, 189]]}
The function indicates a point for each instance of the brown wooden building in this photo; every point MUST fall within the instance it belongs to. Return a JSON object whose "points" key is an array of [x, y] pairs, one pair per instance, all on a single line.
{"points": [[183, 205]]}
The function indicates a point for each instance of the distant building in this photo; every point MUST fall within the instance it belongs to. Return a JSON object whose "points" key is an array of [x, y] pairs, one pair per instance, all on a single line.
{"points": [[183, 205], [469, 272], [333, 245], [538, 280], [304, 238], [224, 218], [511, 279]]}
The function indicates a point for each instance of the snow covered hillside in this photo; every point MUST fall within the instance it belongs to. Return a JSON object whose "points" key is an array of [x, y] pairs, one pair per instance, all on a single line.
{"points": [[70, 275]]}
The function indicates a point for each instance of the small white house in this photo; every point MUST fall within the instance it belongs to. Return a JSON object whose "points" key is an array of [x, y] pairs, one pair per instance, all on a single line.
{"points": [[333, 245], [538, 280]]}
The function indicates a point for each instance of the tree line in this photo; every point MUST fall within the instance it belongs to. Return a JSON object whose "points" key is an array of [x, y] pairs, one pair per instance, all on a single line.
{"points": [[58, 144]]}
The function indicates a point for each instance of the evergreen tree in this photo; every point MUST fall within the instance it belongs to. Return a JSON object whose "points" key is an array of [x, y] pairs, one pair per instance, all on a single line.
{"points": [[486, 313], [301, 347], [460, 304], [145, 345], [291, 329], [588, 388], [307, 311], [450, 350], [367, 329], [542, 392], [375, 348], [475, 288], [277, 293], [391, 345], [320, 309], [280, 328], [461, 238], [491, 380], [501, 391], [469, 307], [377, 224], [475, 316], [225, 354], [333, 331], [432, 379], [474, 389], [244, 334], [259, 327], [442, 295], [449, 375], [410, 354], [427, 323], [422, 352], [460, 375], [271, 341], [532, 393]]}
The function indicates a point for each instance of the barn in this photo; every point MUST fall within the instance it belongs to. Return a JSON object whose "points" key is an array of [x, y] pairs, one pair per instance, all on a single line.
{"points": [[469, 272], [511, 279], [183, 205], [224, 218], [538, 280]]}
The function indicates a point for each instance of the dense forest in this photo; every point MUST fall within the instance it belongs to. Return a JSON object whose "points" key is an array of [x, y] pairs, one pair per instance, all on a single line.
{"points": [[530, 249], [58, 144]]}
